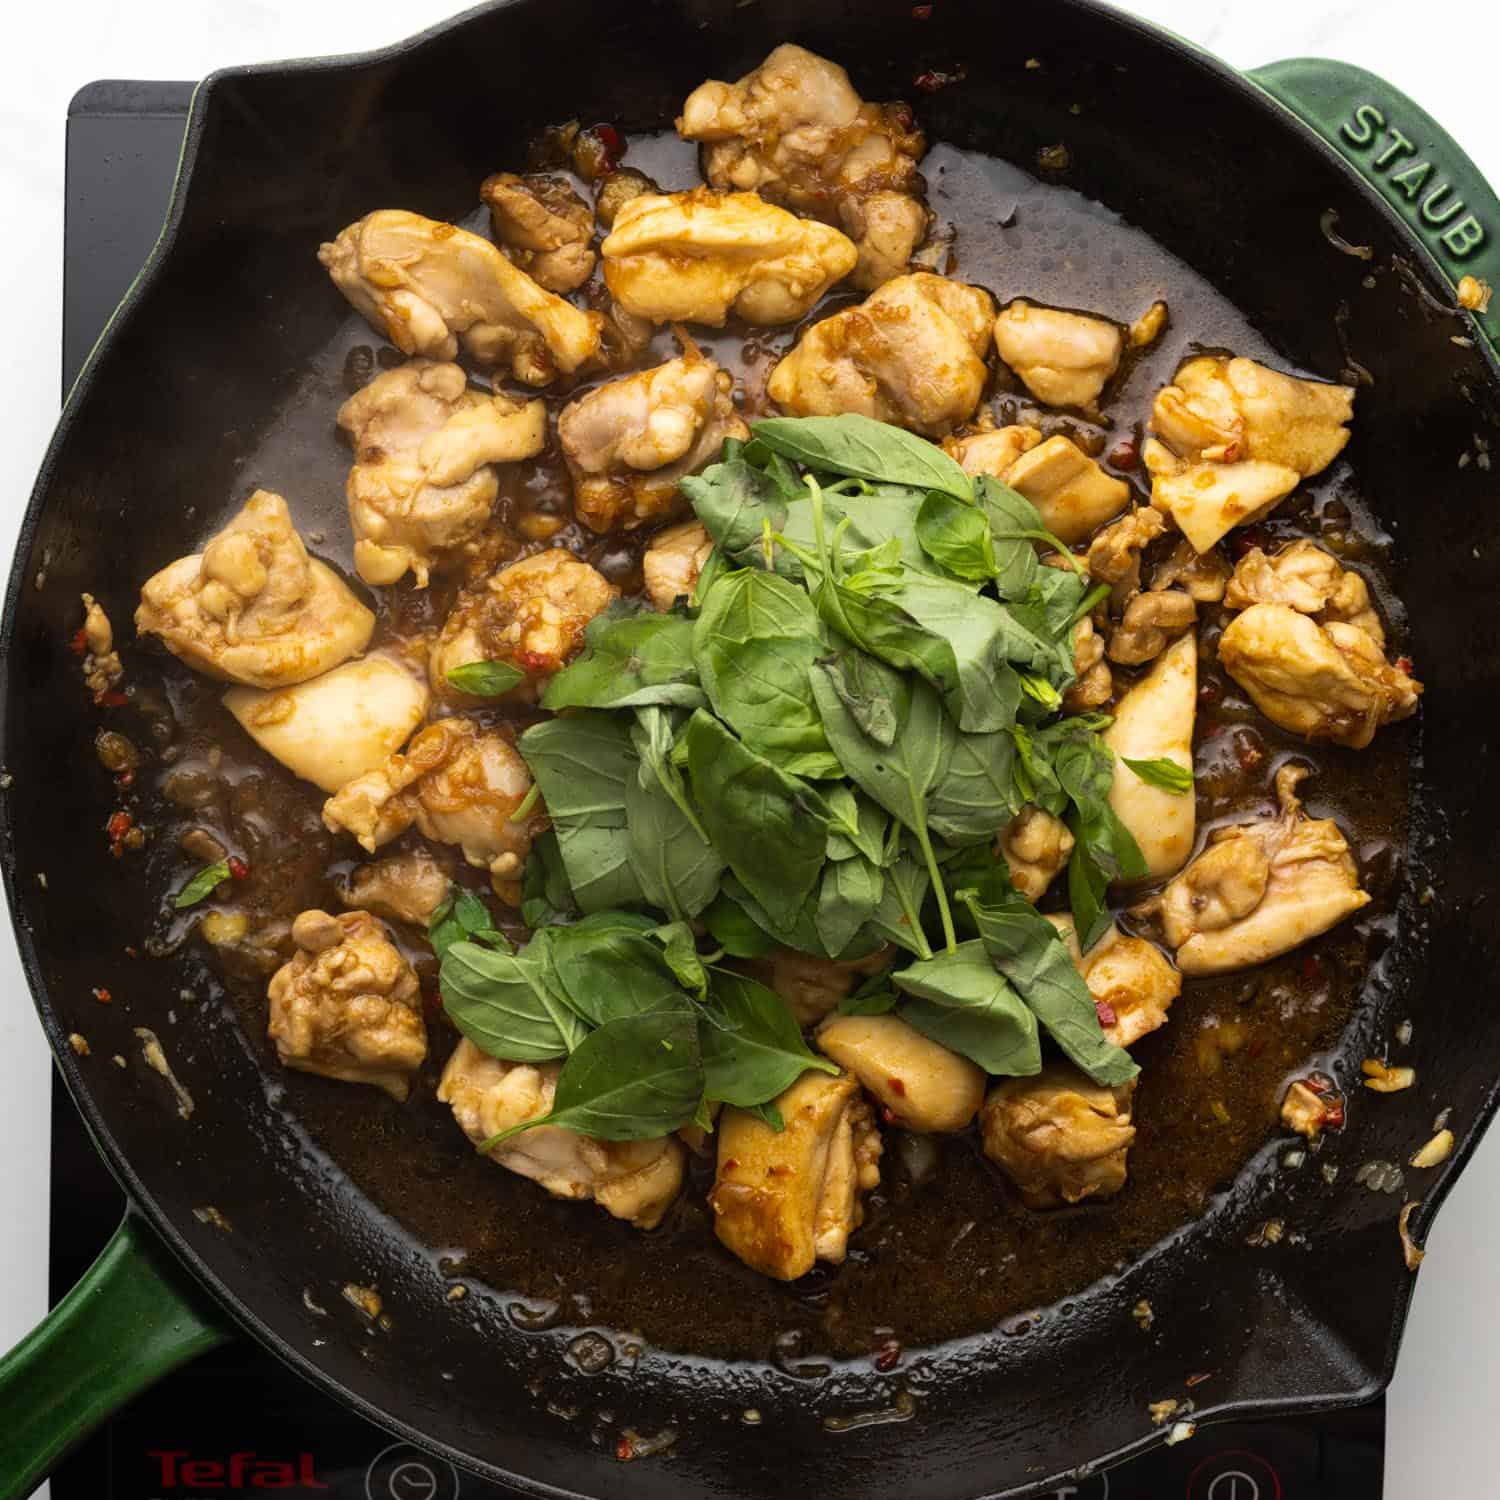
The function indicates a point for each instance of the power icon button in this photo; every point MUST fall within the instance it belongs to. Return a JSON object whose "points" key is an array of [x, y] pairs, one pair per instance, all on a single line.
{"points": [[1234, 1476], [1233, 1484]]}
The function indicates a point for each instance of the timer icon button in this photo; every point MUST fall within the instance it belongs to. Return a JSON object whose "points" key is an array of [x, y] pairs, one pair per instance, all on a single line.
{"points": [[1234, 1476]]}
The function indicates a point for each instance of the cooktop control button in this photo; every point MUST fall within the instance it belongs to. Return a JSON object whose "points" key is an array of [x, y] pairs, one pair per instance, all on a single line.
{"points": [[402, 1472], [1234, 1476]]}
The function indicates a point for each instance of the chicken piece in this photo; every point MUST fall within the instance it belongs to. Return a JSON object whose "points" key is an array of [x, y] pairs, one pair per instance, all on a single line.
{"points": [[348, 1005], [812, 987], [1062, 358], [459, 784], [400, 888], [424, 480], [795, 131], [1208, 500], [1202, 576], [543, 226], [1224, 410], [531, 614], [699, 256], [1304, 577], [911, 354], [1154, 721], [637, 1181], [919, 1084], [617, 189], [1093, 682], [1325, 682], [1308, 1112], [253, 607], [1059, 1137], [673, 561], [1132, 981], [1035, 846], [102, 667], [992, 451], [431, 287], [337, 726], [1115, 553], [627, 443], [1261, 889], [783, 1200], [1073, 495], [1150, 621]]}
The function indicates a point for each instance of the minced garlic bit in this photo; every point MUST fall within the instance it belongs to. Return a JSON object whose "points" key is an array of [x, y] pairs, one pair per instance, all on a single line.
{"points": [[365, 1298], [1410, 1249], [1436, 1151], [1147, 328], [151, 1050], [1269, 1233], [1180, 1433], [208, 1214], [1144, 1314], [1386, 1080], [118, 1061], [79, 1043], [1162, 1411], [1475, 294], [457, 1293]]}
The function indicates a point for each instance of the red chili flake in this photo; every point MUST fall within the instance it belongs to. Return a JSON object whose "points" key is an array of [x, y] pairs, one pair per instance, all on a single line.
{"points": [[1209, 693], [609, 138], [1310, 967], [1105, 1012], [1248, 750], [1231, 453], [238, 868], [932, 80], [901, 113], [125, 778], [1246, 539], [889, 1116], [103, 996], [118, 826], [897, 1087], [921, 13], [1405, 664], [1333, 1115], [131, 951], [534, 661], [731, 1164], [1193, 1380], [78, 642], [1318, 1083], [111, 698], [1257, 1046], [625, 1450], [887, 1355], [1124, 455]]}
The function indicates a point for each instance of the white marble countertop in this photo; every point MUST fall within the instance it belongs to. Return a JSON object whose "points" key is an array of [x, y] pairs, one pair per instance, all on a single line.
{"points": [[1447, 1390]]}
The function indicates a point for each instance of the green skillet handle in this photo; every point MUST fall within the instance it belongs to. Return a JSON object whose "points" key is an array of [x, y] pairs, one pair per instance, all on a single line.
{"points": [[132, 1318], [1410, 161]]}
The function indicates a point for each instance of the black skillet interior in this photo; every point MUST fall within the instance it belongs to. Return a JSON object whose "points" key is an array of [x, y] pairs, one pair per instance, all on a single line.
{"points": [[213, 351]]}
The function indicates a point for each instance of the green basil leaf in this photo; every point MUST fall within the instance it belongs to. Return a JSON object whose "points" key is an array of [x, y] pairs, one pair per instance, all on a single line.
{"points": [[510, 1005], [771, 827], [756, 1051], [486, 679], [634, 1079], [735, 930], [608, 965], [202, 885], [856, 826], [956, 536], [847, 899], [898, 918], [864, 448], [675, 865], [1086, 896], [875, 997], [462, 916], [1163, 773], [736, 502], [546, 896], [680, 950], [961, 1001], [880, 523], [754, 641], [768, 1115], [1014, 520], [863, 687], [976, 796], [632, 657]]}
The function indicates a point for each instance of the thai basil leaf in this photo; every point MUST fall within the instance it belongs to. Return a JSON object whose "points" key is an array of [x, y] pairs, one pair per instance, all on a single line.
{"points": [[863, 687], [771, 827], [673, 862], [886, 517], [875, 997], [680, 952], [956, 536], [755, 1051], [510, 1005], [486, 679], [864, 448], [1163, 773], [546, 896], [1014, 524], [848, 898], [609, 965], [898, 918], [635, 1078], [754, 641], [962, 1002], [856, 826], [1087, 884], [632, 657], [462, 916], [735, 930], [202, 885], [977, 795], [736, 501]]}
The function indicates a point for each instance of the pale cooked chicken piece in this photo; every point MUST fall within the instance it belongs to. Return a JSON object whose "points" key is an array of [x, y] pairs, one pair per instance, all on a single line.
{"points": [[783, 1200], [431, 287], [1202, 576], [992, 451], [617, 189], [699, 256], [1059, 1137], [347, 1005], [1115, 554], [459, 784], [1207, 500], [1326, 682], [1261, 889], [1035, 847], [1304, 577], [253, 607], [812, 987], [1224, 410], [337, 726], [1073, 495], [1154, 721], [1093, 683], [919, 1084], [673, 561], [637, 1181], [1151, 621], [628, 442], [400, 888], [424, 480], [911, 354], [102, 667], [543, 226], [795, 131], [531, 614], [1063, 358], [1133, 982]]}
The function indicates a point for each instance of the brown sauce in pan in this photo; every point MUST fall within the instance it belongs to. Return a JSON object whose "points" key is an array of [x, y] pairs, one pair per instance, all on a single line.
{"points": [[946, 1250]]}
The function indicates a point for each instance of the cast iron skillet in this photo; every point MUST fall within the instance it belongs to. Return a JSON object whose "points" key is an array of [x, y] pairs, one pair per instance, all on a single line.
{"points": [[207, 349]]}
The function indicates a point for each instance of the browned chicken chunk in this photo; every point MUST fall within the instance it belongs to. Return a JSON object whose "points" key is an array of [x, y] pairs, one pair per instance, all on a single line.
{"points": [[1306, 578], [811, 986], [1062, 358], [543, 226], [1072, 494], [1132, 981], [400, 888], [991, 450], [1035, 846], [673, 561], [918, 1083], [1150, 623]]}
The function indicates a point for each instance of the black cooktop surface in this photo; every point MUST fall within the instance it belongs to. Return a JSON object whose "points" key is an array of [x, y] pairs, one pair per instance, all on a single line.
{"points": [[237, 1423]]}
